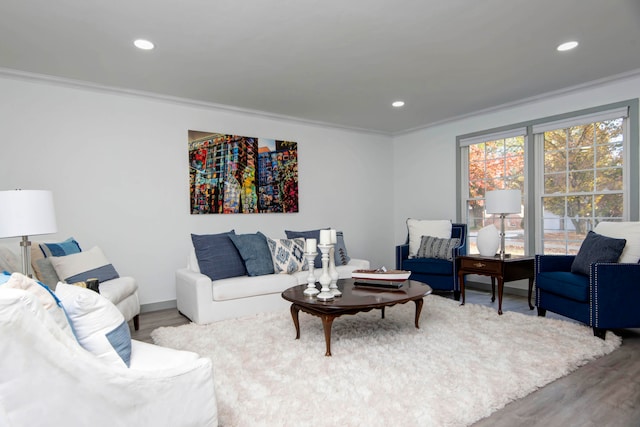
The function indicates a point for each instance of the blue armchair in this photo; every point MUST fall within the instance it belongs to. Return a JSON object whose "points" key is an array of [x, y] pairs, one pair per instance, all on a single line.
{"points": [[440, 274], [605, 299]]}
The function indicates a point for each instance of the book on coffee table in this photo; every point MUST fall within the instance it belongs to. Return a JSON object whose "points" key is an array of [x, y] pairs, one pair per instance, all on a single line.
{"points": [[381, 274], [378, 284]]}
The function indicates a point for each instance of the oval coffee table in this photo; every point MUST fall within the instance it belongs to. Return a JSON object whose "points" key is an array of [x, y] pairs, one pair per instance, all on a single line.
{"points": [[354, 299]]}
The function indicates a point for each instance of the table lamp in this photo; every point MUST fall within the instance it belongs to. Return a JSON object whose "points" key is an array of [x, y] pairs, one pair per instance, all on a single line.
{"points": [[503, 202], [24, 213]]}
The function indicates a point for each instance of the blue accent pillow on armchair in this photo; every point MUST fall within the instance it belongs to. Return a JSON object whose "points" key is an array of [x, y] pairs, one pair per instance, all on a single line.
{"points": [[597, 248]]}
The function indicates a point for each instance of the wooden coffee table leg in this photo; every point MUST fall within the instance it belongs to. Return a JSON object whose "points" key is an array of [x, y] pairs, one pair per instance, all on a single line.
{"points": [[419, 303], [296, 322], [327, 321]]}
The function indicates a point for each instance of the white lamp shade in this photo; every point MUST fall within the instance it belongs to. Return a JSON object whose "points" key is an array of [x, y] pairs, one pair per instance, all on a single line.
{"points": [[26, 213], [503, 201]]}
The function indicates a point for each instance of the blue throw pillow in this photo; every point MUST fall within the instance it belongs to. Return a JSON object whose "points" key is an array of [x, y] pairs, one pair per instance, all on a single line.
{"points": [[217, 256], [341, 256], [68, 247], [255, 252], [597, 248]]}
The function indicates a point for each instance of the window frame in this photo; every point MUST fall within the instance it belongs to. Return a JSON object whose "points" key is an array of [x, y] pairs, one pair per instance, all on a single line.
{"points": [[532, 191]]}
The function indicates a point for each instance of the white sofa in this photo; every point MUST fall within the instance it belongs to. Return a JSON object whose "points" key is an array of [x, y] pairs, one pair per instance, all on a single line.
{"points": [[204, 301], [47, 378]]}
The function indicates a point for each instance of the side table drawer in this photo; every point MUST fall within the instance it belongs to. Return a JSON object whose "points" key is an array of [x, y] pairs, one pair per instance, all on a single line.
{"points": [[480, 266]]}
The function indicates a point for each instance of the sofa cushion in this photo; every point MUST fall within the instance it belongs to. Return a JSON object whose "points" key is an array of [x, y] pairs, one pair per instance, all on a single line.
{"points": [[628, 230], [288, 255], [84, 265], [428, 266], [565, 284], [597, 248], [117, 290], [217, 256], [244, 287], [418, 228], [99, 327], [255, 252], [433, 247]]}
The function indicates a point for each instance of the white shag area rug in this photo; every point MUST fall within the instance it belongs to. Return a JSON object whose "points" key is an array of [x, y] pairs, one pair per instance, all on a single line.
{"points": [[464, 363]]}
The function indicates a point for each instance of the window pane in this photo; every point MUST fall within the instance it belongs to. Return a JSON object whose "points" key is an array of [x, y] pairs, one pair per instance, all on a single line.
{"points": [[581, 158], [580, 136], [581, 182], [555, 183], [555, 161], [609, 206], [609, 179]]}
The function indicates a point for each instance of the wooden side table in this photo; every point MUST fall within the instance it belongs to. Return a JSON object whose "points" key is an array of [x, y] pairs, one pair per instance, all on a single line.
{"points": [[505, 270]]}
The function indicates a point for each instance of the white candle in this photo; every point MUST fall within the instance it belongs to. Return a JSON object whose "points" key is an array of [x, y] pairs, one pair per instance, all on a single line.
{"points": [[325, 237], [311, 246], [334, 236]]}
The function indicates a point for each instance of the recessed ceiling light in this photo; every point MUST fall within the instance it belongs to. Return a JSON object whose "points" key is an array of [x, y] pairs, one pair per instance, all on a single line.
{"points": [[143, 44], [567, 46], [398, 104]]}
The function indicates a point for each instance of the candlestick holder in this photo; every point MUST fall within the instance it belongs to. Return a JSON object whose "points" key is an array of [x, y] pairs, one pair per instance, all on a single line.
{"points": [[333, 273], [311, 278], [325, 279]]}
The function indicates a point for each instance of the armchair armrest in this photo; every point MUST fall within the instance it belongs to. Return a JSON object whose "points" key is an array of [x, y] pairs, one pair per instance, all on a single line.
{"points": [[615, 294], [402, 253], [546, 263]]}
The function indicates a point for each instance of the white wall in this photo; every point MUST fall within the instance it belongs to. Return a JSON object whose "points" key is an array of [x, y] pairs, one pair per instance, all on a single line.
{"points": [[425, 160], [117, 165]]}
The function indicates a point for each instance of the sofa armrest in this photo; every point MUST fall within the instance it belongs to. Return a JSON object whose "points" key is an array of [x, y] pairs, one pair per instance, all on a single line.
{"points": [[402, 253], [194, 292], [614, 294], [546, 263]]}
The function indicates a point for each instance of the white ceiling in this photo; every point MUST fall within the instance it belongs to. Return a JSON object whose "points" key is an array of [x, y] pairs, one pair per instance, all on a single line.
{"points": [[333, 61]]}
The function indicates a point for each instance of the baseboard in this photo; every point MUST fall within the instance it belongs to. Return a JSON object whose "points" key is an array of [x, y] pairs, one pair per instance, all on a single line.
{"points": [[164, 305], [487, 288], [157, 306]]}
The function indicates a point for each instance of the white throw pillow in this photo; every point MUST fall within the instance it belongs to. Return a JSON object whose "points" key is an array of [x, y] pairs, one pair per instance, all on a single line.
{"points": [[84, 265], [623, 230], [418, 228], [98, 325]]}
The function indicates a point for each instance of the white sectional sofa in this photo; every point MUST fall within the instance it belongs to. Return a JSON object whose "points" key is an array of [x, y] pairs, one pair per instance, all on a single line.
{"points": [[204, 301]]}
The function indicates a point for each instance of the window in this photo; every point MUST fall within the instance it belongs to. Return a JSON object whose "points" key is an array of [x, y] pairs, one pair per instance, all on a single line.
{"points": [[582, 182], [496, 162], [573, 170]]}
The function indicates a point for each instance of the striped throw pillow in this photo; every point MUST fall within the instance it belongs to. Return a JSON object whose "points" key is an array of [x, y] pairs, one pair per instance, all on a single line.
{"points": [[434, 247]]}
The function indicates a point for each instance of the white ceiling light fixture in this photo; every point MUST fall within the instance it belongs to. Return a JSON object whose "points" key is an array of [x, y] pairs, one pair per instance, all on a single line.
{"points": [[397, 104], [143, 44], [567, 46]]}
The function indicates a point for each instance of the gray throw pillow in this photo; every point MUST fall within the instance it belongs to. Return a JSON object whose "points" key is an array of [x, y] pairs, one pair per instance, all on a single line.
{"points": [[48, 274], [255, 252], [597, 248], [434, 247]]}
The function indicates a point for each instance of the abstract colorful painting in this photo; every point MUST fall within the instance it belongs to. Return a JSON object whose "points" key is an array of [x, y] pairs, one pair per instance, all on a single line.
{"points": [[241, 174]]}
